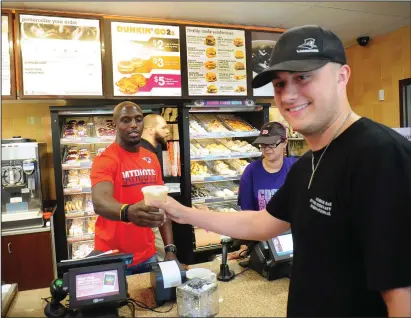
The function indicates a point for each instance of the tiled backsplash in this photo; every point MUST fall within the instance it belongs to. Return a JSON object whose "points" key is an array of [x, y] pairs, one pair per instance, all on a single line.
{"points": [[31, 120]]}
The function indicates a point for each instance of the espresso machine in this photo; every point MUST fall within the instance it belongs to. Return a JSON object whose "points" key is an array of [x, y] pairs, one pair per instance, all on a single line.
{"points": [[22, 161]]}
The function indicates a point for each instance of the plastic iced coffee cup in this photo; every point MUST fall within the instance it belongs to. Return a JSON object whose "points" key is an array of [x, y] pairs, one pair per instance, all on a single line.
{"points": [[154, 193]]}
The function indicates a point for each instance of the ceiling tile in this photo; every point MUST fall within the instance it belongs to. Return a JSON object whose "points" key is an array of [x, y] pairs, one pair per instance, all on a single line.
{"points": [[337, 16], [248, 13], [307, 3], [383, 29], [399, 8], [319, 16]]}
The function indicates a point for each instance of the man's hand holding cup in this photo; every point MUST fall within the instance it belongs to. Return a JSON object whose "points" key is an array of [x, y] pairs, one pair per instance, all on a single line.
{"points": [[144, 213]]}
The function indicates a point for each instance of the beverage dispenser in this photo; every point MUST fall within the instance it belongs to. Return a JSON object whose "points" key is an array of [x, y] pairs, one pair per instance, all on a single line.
{"points": [[22, 161]]}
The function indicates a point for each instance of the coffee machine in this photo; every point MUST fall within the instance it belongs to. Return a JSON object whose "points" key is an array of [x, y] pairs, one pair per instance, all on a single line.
{"points": [[22, 162]]}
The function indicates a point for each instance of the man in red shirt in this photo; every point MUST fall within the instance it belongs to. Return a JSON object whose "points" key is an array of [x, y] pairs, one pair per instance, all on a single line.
{"points": [[117, 177]]}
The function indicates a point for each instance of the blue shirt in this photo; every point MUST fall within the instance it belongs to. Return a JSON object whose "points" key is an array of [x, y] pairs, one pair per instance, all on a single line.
{"points": [[257, 186]]}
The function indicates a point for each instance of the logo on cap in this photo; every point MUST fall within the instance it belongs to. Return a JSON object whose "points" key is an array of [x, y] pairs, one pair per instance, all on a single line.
{"points": [[308, 46], [264, 132]]}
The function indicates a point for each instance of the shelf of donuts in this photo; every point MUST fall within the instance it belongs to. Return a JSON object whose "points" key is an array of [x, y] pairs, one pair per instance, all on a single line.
{"points": [[75, 129], [216, 192], [211, 126], [78, 206], [236, 124], [81, 157], [88, 131], [76, 181], [219, 170], [224, 207], [213, 149], [80, 229], [202, 170], [240, 147], [205, 238], [81, 249]]}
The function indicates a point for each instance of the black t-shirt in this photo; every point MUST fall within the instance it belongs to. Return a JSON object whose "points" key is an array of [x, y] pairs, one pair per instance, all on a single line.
{"points": [[147, 145], [351, 230]]}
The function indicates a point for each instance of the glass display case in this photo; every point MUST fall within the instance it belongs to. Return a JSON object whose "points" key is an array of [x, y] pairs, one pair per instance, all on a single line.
{"points": [[79, 135], [218, 148]]}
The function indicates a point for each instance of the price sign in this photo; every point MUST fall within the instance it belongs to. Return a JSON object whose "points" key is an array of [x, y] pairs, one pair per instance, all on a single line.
{"points": [[146, 59]]}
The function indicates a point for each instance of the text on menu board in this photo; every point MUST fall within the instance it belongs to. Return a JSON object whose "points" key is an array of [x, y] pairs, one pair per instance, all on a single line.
{"points": [[216, 62], [49, 21], [61, 56], [146, 60], [5, 57]]}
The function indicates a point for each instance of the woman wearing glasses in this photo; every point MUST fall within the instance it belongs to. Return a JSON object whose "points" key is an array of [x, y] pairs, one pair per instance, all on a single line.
{"points": [[263, 177]]}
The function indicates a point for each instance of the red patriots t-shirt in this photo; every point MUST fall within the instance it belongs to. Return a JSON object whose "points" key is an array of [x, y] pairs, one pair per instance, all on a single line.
{"points": [[128, 172]]}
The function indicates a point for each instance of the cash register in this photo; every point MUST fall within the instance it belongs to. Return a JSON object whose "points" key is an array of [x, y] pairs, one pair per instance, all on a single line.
{"points": [[97, 287], [272, 259]]}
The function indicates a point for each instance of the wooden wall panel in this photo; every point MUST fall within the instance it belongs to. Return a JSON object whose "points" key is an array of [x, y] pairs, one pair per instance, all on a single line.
{"points": [[379, 65]]}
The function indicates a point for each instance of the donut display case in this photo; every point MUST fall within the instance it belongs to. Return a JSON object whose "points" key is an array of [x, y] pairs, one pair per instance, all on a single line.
{"points": [[218, 147], [210, 146], [79, 135]]}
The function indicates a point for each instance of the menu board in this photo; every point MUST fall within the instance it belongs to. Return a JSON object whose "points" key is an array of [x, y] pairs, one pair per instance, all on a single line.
{"points": [[5, 57], [262, 46], [216, 62], [146, 59], [60, 56]]}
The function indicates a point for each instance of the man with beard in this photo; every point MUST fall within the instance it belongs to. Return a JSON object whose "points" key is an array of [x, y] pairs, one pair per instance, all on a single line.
{"points": [[347, 200], [117, 176], [155, 132]]}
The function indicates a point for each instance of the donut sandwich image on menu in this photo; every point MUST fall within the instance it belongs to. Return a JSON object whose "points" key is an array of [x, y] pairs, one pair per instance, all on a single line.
{"points": [[216, 62]]}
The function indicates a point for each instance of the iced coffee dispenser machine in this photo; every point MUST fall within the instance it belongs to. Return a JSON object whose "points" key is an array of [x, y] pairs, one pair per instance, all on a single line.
{"points": [[21, 183]]}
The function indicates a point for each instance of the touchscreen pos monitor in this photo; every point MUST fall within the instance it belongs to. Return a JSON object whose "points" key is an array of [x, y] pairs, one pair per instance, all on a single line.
{"points": [[281, 247], [97, 285], [272, 259]]}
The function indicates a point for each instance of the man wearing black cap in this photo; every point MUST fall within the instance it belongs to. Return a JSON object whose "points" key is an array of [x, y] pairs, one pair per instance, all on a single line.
{"points": [[347, 201]]}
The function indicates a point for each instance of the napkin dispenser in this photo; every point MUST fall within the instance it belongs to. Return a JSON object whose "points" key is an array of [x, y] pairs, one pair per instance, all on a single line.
{"points": [[198, 298], [165, 277]]}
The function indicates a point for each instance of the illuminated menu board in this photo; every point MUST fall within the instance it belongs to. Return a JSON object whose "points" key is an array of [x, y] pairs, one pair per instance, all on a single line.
{"points": [[5, 57], [262, 44], [216, 62], [60, 56], [146, 59]]}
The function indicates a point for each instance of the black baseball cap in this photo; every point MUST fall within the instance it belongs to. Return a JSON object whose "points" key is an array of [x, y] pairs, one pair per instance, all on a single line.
{"points": [[271, 133], [302, 49]]}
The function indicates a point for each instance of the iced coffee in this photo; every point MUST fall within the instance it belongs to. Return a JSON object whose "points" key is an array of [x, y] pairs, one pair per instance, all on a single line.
{"points": [[154, 193]]}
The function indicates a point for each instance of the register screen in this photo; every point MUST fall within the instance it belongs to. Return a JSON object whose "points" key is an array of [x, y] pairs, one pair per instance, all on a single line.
{"points": [[283, 244], [99, 284]]}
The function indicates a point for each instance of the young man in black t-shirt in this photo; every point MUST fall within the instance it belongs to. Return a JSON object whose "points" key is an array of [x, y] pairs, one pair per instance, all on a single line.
{"points": [[347, 201]]}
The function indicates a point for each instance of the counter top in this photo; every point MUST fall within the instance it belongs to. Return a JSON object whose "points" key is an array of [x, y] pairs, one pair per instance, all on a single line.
{"points": [[247, 295], [25, 231], [8, 293]]}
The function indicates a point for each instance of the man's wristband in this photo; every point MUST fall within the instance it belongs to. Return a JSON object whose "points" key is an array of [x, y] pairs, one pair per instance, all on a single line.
{"points": [[124, 213]]}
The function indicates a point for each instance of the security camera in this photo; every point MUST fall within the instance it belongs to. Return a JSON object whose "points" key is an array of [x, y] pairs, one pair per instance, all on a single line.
{"points": [[363, 40]]}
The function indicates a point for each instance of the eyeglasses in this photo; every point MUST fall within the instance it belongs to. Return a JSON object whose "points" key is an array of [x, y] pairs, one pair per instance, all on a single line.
{"points": [[271, 146]]}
